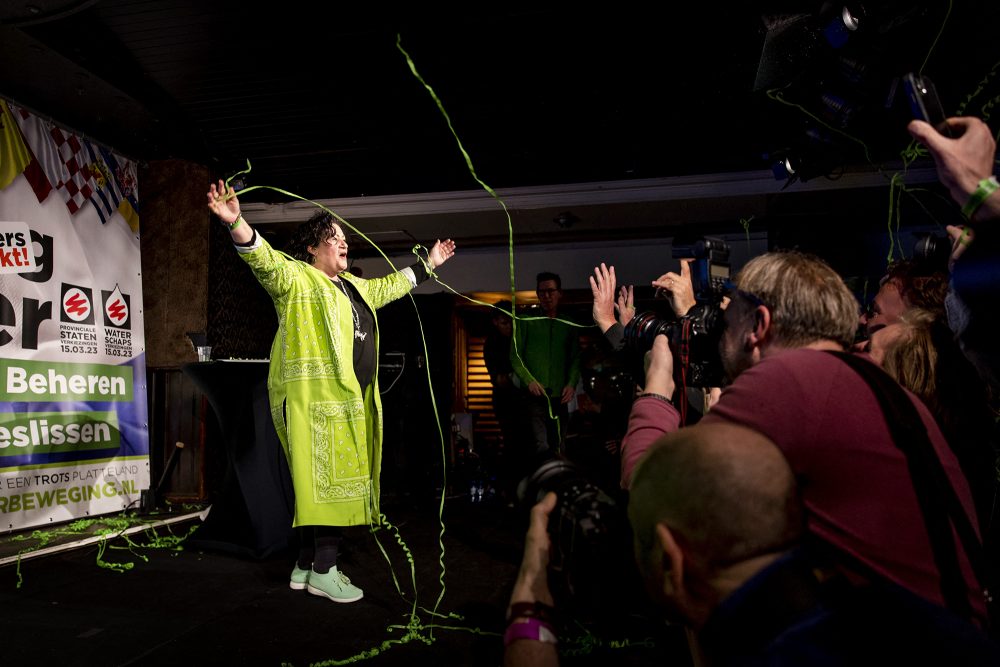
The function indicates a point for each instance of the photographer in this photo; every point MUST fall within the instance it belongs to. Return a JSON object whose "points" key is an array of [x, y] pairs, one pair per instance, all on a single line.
{"points": [[636, 333], [906, 284], [719, 531], [787, 314]]}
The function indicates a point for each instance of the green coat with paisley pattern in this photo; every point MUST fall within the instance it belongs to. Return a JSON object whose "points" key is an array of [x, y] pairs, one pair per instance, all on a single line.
{"points": [[331, 433]]}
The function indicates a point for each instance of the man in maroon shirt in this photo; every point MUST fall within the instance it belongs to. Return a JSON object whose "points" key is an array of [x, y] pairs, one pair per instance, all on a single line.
{"points": [[788, 310]]}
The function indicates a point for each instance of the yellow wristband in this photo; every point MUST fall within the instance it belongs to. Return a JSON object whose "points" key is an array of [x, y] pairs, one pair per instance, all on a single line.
{"points": [[236, 223], [984, 189]]}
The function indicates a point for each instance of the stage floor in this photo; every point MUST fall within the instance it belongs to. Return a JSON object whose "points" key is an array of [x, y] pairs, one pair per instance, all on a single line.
{"points": [[198, 606]]}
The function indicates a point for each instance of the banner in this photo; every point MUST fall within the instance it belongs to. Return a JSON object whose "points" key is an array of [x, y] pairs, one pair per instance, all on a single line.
{"points": [[73, 414]]}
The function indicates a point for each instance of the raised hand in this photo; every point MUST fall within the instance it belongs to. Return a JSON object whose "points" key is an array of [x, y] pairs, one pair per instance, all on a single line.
{"points": [[602, 288], [441, 253], [625, 305], [223, 203]]}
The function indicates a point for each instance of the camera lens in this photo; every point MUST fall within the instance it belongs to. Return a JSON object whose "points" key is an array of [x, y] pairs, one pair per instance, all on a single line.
{"points": [[584, 527], [642, 330], [932, 251]]}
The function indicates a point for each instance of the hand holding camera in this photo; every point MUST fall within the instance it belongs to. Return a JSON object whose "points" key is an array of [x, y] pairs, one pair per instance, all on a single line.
{"points": [[680, 288], [697, 292], [532, 579], [963, 162], [963, 150], [659, 368]]}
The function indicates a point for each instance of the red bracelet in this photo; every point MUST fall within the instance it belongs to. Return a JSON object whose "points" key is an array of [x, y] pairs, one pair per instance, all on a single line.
{"points": [[529, 628]]}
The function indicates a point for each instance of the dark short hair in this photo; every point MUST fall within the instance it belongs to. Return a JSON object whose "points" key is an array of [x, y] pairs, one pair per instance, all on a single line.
{"points": [[310, 234], [548, 275]]}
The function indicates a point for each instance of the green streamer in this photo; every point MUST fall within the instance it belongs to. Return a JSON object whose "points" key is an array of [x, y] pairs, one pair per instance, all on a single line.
{"points": [[112, 528], [492, 193], [775, 94], [937, 38], [745, 223], [983, 83]]}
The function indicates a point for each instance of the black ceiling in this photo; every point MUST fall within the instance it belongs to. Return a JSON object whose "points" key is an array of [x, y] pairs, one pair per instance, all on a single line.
{"points": [[322, 102]]}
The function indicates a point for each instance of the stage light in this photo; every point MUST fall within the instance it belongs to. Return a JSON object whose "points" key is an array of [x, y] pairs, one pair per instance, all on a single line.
{"points": [[839, 111], [851, 22], [839, 28], [784, 168]]}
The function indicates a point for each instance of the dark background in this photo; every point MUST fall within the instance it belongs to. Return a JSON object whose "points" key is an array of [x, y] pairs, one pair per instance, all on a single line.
{"points": [[319, 99]]}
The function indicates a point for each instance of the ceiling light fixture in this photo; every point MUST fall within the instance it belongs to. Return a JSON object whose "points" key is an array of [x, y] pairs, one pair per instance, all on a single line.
{"points": [[565, 220]]}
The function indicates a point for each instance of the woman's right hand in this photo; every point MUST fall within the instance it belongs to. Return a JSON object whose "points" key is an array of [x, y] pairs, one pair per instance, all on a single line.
{"points": [[222, 202]]}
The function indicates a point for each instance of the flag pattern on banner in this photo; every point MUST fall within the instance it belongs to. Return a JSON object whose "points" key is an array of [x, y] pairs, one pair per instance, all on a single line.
{"points": [[107, 196], [14, 154], [45, 158], [79, 170], [80, 184], [121, 176], [36, 134]]}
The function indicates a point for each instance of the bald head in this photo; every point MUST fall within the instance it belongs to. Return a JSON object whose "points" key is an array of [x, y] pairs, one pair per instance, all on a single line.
{"points": [[724, 489]]}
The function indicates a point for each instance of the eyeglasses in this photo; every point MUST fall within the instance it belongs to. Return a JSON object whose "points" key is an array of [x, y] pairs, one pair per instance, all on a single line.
{"points": [[337, 239], [752, 298], [545, 292]]}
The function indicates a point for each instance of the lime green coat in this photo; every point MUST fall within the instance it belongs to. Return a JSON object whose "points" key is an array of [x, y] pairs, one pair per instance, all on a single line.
{"points": [[331, 433]]}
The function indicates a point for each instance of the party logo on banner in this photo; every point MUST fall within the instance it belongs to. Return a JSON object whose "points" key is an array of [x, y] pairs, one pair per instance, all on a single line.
{"points": [[77, 334], [117, 323], [16, 252]]}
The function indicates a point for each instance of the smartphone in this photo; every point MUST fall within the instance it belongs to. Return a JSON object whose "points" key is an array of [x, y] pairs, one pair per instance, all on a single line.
{"points": [[924, 102]]}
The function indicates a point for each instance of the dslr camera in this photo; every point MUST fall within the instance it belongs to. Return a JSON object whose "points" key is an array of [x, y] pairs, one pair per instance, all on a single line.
{"points": [[694, 337], [587, 530]]}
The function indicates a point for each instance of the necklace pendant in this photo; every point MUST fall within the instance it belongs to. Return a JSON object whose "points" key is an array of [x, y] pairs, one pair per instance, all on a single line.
{"points": [[360, 334]]}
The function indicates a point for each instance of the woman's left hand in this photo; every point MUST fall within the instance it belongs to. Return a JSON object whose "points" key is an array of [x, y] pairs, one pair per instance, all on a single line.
{"points": [[441, 253]]}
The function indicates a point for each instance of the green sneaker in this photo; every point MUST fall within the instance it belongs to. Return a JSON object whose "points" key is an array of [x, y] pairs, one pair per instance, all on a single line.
{"points": [[333, 585], [299, 579]]}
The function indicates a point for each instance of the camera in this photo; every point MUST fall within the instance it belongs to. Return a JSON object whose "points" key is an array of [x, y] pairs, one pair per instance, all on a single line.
{"points": [[587, 529], [694, 337], [925, 104], [709, 268], [932, 250]]}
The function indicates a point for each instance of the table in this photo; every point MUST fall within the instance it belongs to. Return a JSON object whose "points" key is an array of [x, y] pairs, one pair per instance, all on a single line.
{"points": [[252, 513]]}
